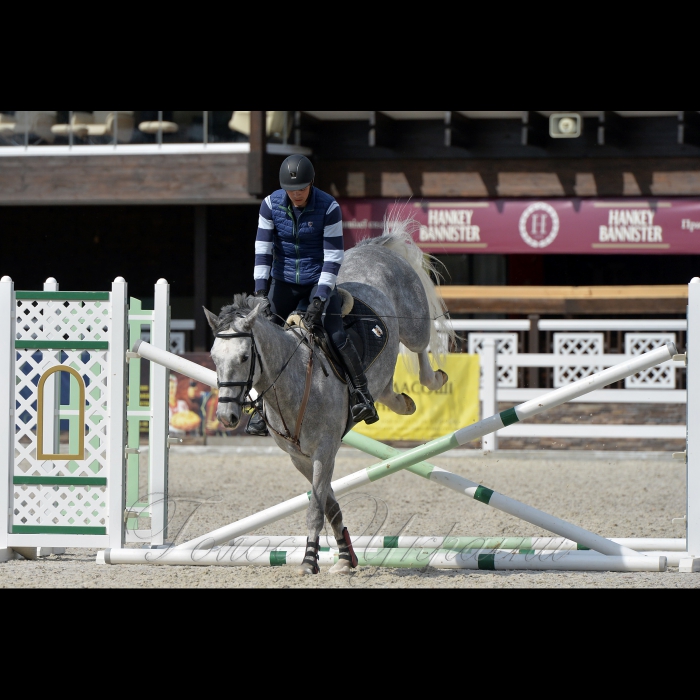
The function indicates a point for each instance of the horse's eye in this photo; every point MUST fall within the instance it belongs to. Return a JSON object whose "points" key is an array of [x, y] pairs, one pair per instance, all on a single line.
{"points": [[245, 358]]}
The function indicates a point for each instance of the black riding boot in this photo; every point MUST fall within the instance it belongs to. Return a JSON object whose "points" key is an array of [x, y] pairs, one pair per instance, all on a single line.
{"points": [[363, 403], [256, 425]]}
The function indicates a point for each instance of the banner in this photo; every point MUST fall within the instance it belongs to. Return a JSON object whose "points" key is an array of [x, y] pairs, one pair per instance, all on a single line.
{"points": [[438, 413], [589, 226]]}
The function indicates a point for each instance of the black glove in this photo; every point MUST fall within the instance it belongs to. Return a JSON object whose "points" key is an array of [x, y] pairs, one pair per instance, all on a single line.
{"points": [[262, 294], [314, 312]]}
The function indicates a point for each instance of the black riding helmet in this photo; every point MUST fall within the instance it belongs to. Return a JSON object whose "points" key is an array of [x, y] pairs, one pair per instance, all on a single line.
{"points": [[296, 173]]}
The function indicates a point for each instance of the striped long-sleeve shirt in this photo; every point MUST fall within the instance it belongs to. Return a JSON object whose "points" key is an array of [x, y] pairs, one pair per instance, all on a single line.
{"points": [[306, 250]]}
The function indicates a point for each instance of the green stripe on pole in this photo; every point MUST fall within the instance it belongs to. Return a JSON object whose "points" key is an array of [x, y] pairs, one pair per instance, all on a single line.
{"points": [[580, 546], [278, 558], [61, 480], [308, 493], [487, 562], [64, 296], [509, 416], [57, 530], [391, 542], [483, 494], [61, 345]]}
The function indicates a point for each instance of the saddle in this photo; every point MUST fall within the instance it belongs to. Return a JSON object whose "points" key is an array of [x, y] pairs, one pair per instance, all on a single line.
{"points": [[365, 327]]}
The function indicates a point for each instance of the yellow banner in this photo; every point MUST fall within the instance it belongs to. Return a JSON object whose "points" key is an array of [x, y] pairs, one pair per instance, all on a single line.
{"points": [[438, 413]]}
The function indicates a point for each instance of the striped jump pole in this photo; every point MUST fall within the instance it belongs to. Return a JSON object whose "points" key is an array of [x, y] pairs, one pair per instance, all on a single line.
{"points": [[558, 544], [426, 451], [392, 558]]}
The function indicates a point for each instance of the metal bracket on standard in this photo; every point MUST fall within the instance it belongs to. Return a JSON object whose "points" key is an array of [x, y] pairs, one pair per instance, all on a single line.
{"points": [[677, 358], [679, 521], [174, 441], [135, 514], [132, 451], [131, 355], [679, 455]]}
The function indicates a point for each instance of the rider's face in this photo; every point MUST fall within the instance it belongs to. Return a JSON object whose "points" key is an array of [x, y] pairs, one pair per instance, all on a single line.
{"points": [[299, 197]]}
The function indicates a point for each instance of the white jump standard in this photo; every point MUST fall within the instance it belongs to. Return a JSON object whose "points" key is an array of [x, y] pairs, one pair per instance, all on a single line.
{"points": [[188, 551]]}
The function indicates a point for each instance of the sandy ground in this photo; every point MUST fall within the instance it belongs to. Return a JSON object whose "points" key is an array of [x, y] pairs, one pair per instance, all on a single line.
{"points": [[613, 494]]}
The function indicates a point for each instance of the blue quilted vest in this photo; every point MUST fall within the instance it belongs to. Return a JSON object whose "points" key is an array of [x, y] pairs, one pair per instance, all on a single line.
{"points": [[298, 245]]}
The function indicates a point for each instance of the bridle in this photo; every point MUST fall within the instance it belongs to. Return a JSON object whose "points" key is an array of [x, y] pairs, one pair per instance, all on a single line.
{"points": [[248, 384]]}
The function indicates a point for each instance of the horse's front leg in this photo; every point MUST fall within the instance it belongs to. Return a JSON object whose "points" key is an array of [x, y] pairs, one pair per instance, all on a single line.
{"points": [[433, 379]]}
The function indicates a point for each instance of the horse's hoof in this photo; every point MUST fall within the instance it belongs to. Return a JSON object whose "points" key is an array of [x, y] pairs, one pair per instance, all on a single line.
{"points": [[342, 566], [444, 376], [306, 570], [410, 405]]}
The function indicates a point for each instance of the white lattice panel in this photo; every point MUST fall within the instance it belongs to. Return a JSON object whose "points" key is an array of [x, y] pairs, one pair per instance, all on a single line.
{"points": [[506, 344], [60, 506], [70, 502], [578, 345], [62, 320], [659, 377]]}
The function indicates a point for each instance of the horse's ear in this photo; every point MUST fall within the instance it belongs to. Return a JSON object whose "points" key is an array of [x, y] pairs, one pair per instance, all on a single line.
{"points": [[212, 318], [250, 318]]}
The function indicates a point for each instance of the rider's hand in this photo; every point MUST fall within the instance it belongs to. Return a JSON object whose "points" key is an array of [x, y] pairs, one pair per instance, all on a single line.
{"points": [[262, 294], [313, 314]]}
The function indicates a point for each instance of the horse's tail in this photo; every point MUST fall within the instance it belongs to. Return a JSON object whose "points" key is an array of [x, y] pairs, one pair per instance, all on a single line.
{"points": [[397, 237]]}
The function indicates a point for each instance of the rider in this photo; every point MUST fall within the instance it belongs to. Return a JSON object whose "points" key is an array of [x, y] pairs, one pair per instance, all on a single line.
{"points": [[300, 244]]}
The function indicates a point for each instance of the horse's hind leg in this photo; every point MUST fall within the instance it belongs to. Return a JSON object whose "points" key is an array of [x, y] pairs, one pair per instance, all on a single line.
{"points": [[433, 379], [402, 404], [346, 554]]}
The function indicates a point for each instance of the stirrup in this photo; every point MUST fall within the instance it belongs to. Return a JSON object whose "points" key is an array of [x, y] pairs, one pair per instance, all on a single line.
{"points": [[257, 426], [363, 409]]}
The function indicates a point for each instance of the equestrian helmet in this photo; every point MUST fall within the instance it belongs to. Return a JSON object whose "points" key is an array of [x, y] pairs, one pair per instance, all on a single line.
{"points": [[296, 173]]}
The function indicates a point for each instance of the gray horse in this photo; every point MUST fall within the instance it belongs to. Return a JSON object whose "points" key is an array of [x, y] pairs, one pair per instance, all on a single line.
{"points": [[392, 276]]}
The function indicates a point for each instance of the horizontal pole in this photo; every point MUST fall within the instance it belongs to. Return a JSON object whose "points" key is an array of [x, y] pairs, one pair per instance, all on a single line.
{"points": [[560, 544], [393, 558]]}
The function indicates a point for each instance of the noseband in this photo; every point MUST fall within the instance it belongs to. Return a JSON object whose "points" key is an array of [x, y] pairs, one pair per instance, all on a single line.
{"points": [[248, 384]]}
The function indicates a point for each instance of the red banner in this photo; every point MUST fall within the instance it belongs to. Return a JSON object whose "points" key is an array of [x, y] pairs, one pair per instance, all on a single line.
{"points": [[639, 226]]}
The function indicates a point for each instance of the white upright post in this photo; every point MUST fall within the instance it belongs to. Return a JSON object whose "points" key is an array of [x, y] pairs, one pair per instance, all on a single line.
{"points": [[489, 404], [7, 404], [158, 449], [693, 436], [116, 483], [52, 396]]}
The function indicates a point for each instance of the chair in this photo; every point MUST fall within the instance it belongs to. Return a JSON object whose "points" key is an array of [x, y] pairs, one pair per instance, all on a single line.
{"points": [[104, 123], [153, 126], [78, 125], [274, 123], [36, 123]]}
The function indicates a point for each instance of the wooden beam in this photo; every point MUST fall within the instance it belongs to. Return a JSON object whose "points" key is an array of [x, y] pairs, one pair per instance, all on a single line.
{"points": [[689, 128], [611, 129], [457, 130], [257, 160], [534, 130], [634, 299], [381, 130]]}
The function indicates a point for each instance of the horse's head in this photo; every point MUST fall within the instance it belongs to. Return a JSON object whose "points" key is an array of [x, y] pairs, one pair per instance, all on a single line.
{"points": [[235, 355]]}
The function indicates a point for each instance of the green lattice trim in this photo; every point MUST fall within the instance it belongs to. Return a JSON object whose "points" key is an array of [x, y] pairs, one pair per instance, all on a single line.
{"points": [[57, 530], [64, 296], [61, 344], [61, 480]]}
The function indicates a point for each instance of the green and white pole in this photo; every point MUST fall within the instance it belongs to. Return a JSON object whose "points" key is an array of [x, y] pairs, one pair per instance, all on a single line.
{"points": [[438, 446], [494, 499], [389, 558], [461, 543]]}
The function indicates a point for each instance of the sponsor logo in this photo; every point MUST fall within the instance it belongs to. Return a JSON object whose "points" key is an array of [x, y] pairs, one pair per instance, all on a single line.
{"points": [[377, 331], [539, 225]]}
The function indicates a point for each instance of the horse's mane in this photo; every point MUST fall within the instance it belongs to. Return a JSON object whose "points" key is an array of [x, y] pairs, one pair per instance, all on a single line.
{"points": [[242, 305]]}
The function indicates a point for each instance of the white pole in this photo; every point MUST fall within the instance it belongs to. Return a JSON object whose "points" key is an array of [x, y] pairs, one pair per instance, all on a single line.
{"points": [[159, 424], [489, 384], [692, 513], [117, 412], [8, 315], [52, 396]]}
